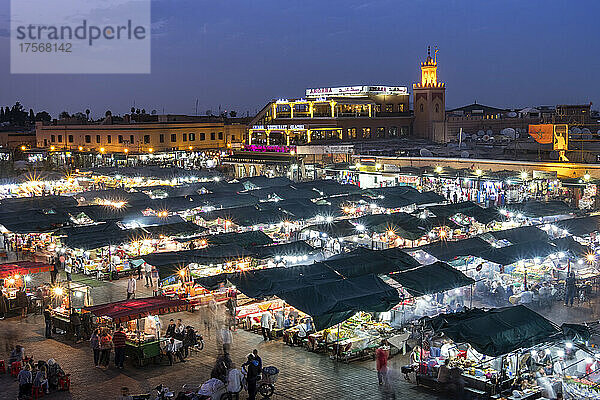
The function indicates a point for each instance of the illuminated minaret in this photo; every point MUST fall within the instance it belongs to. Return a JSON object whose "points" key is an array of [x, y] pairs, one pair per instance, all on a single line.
{"points": [[429, 102]]}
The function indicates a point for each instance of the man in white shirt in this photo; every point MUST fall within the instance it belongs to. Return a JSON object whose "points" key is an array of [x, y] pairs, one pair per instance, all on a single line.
{"points": [[234, 383], [265, 324], [171, 351], [68, 270], [148, 271], [131, 286]]}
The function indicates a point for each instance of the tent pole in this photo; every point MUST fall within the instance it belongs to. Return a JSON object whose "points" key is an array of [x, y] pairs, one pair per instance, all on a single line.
{"points": [[471, 302]]}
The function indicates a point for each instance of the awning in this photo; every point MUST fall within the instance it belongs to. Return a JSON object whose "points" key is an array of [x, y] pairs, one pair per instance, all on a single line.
{"points": [[495, 332], [468, 208], [333, 302], [448, 250], [244, 239], [580, 226], [539, 209], [298, 248], [521, 234], [127, 310], [432, 278], [23, 268]]}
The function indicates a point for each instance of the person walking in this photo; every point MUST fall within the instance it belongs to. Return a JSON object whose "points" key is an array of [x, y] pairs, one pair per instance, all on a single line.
{"points": [[139, 271], [105, 347], [48, 321], [131, 286], [381, 359], [119, 339], [265, 325], [570, 289], [95, 345]]}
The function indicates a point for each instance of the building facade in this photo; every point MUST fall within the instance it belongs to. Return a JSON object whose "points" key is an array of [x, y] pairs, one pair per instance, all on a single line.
{"points": [[144, 137], [429, 103]]}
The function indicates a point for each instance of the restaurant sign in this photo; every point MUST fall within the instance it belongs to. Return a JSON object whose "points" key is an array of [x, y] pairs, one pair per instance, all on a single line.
{"points": [[356, 91]]}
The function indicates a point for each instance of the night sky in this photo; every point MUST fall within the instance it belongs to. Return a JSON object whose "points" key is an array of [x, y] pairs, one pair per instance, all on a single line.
{"points": [[240, 53]]}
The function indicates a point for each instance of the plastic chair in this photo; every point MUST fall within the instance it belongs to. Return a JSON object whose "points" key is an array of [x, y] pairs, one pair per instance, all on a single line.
{"points": [[15, 368], [2, 367], [37, 392], [64, 382]]}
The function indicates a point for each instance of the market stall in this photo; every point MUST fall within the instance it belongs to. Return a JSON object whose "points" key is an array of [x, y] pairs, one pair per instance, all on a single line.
{"points": [[140, 319], [17, 292], [67, 298]]}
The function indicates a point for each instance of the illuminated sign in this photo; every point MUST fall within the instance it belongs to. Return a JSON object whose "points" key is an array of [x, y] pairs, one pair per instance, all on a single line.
{"points": [[271, 149], [278, 127], [356, 91]]}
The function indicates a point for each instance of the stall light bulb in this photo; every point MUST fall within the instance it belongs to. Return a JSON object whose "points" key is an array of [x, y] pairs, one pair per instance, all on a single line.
{"points": [[588, 360], [561, 254], [548, 351], [78, 294], [17, 276], [569, 345], [560, 353], [360, 227], [27, 278], [329, 219], [533, 353], [580, 261]]}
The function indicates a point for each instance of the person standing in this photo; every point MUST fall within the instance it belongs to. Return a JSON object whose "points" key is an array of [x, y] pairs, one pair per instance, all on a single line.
{"points": [[148, 271], [41, 377], [95, 345], [171, 351], [171, 328], [139, 271], [119, 339], [257, 358], [105, 347], [381, 359], [252, 376], [131, 286], [570, 289], [76, 324], [265, 325], [234, 383], [48, 321], [68, 270]]}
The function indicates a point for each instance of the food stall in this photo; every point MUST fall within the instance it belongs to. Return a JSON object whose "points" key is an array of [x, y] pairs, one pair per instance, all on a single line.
{"points": [[15, 278], [140, 319], [67, 297]]}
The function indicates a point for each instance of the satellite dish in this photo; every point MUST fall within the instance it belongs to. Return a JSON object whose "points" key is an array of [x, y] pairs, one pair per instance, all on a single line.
{"points": [[511, 114], [575, 130], [480, 133], [464, 154], [489, 132], [509, 132], [486, 137], [452, 145], [425, 153]]}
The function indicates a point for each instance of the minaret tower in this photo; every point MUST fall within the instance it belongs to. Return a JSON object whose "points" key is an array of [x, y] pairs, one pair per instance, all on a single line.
{"points": [[429, 102]]}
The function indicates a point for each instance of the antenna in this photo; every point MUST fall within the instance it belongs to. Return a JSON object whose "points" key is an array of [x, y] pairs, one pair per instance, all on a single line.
{"points": [[435, 55], [428, 51]]}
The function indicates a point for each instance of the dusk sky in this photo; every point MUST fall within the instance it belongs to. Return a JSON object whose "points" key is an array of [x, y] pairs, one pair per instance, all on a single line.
{"points": [[240, 54]]}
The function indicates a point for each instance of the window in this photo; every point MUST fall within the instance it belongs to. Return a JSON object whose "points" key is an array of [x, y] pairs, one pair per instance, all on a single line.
{"points": [[232, 138], [400, 107], [351, 133], [220, 135], [380, 133], [173, 138], [389, 108], [202, 136], [185, 137], [378, 108], [146, 139], [421, 108], [392, 131], [161, 138], [88, 139], [108, 139], [120, 138], [366, 133], [212, 136], [59, 138], [97, 138], [437, 108], [70, 138], [52, 138], [45, 142], [192, 137], [131, 140]]}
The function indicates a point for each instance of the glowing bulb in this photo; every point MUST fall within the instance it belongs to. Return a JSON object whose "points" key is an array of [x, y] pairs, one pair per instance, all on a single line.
{"points": [[569, 345], [23, 148], [27, 278], [438, 169], [360, 227], [80, 148], [524, 175], [102, 149], [126, 150], [478, 172], [52, 148], [58, 291], [150, 150], [182, 273]]}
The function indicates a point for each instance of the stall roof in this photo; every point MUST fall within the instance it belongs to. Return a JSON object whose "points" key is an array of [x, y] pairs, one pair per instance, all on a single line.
{"points": [[112, 195], [330, 303], [170, 261], [247, 216], [336, 229], [432, 278], [227, 200], [538, 209], [580, 226], [520, 251], [90, 237], [495, 332], [26, 204], [159, 172], [262, 181], [243, 239], [305, 209], [329, 187], [99, 213], [286, 249], [23, 268], [126, 310], [362, 261], [449, 250], [34, 220], [521, 234], [174, 229], [468, 208]]}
